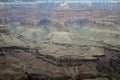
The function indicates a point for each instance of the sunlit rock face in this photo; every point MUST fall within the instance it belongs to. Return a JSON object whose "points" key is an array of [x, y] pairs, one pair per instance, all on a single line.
{"points": [[8, 40], [61, 37]]}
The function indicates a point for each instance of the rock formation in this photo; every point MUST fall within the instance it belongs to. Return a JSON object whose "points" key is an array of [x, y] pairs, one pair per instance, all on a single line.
{"points": [[63, 43]]}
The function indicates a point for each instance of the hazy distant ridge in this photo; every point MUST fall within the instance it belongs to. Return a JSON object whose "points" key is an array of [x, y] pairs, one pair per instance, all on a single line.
{"points": [[61, 0]]}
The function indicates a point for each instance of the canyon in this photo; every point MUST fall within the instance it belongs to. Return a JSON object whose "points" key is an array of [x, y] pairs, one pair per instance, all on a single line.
{"points": [[62, 44]]}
